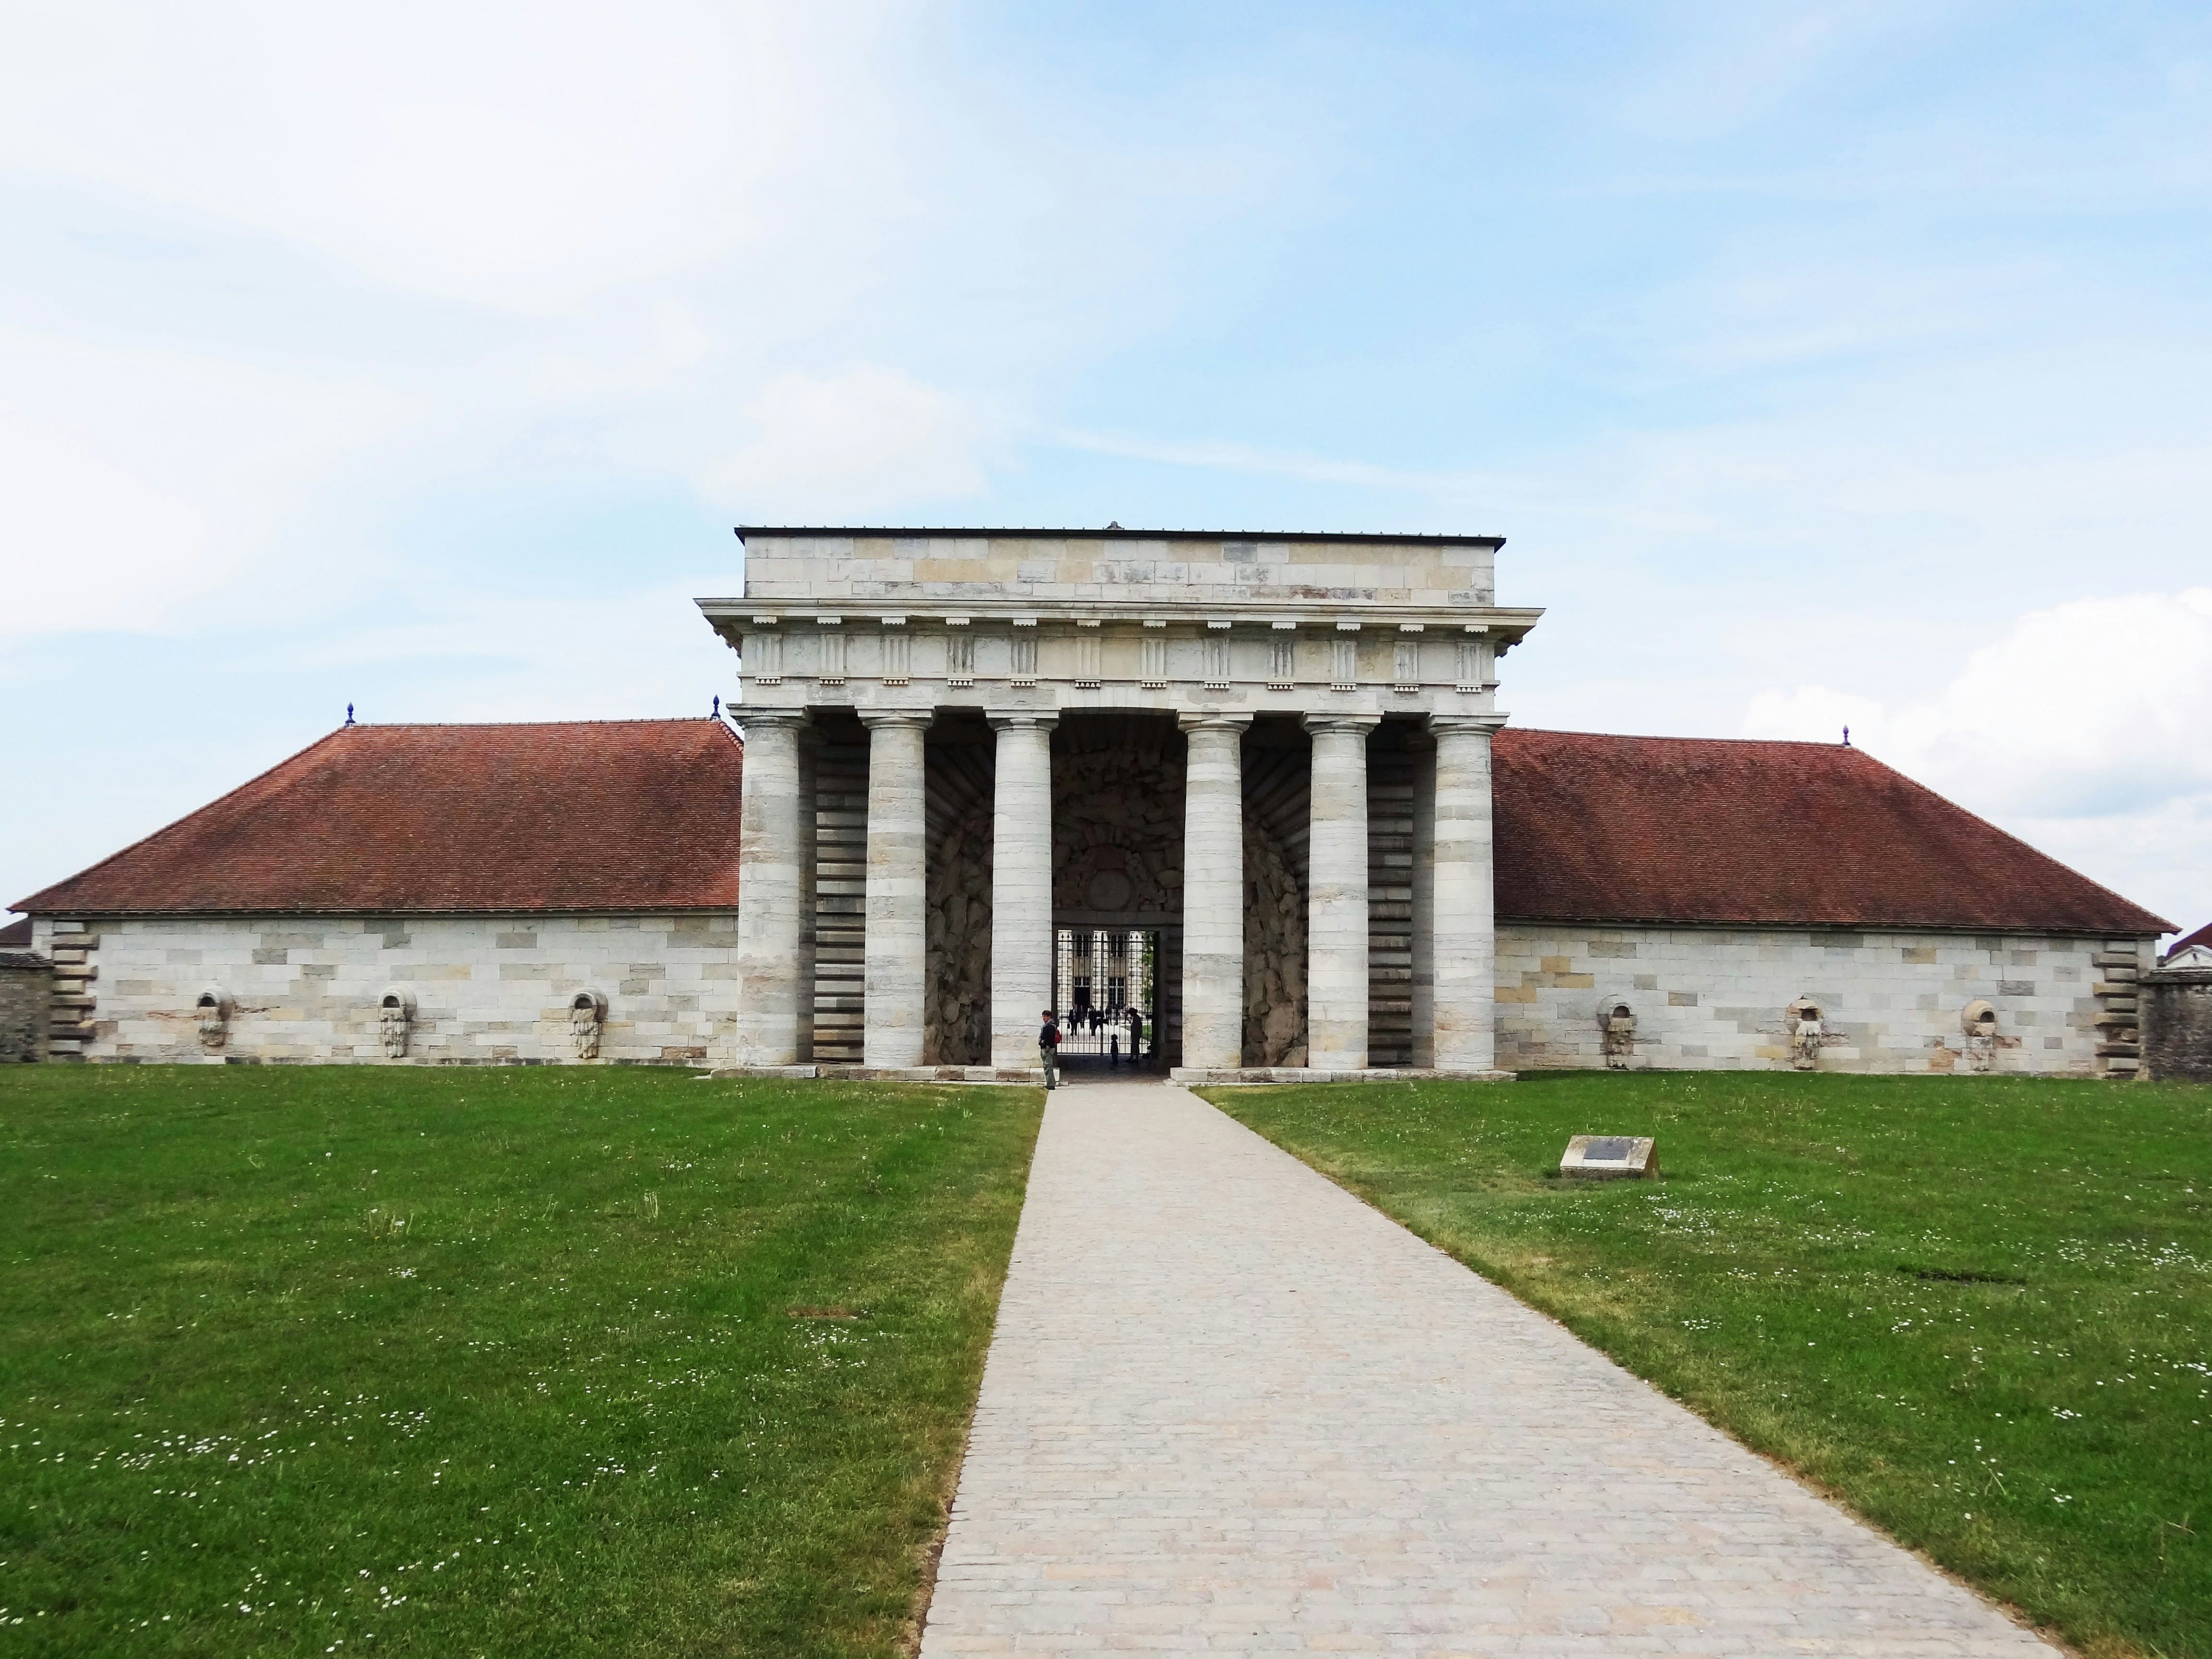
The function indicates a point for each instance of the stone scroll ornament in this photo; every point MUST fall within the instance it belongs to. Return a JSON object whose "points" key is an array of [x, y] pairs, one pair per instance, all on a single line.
{"points": [[1980, 1023], [395, 1020], [1805, 1035], [1616, 1024], [213, 1011], [587, 1019]]}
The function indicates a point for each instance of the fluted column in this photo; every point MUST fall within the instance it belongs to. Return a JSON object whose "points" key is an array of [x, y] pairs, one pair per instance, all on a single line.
{"points": [[1466, 1019], [1021, 885], [896, 939], [769, 850], [1336, 894], [1213, 892]]}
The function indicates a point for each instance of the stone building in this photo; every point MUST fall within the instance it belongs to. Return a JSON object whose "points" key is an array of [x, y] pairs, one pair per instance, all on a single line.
{"points": [[1241, 806], [422, 894], [25, 995]]}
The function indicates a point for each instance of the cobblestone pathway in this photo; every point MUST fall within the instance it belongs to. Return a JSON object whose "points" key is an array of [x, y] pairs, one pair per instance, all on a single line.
{"points": [[1230, 1409]]}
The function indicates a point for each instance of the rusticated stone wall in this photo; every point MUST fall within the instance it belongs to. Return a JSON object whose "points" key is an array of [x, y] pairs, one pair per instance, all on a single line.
{"points": [[956, 1024], [2177, 1027], [26, 1005]]}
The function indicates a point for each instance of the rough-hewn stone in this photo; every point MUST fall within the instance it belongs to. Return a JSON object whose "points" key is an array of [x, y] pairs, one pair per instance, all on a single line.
{"points": [[2177, 1027], [25, 1005]]}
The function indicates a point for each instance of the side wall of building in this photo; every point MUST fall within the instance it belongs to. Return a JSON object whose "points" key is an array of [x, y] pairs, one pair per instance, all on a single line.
{"points": [[1717, 998], [26, 999], [483, 988], [2178, 1025]]}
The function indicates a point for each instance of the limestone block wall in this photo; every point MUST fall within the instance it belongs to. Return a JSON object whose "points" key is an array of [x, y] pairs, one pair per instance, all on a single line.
{"points": [[1715, 999], [2177, 1025], [485, 989], [26, 1005]]}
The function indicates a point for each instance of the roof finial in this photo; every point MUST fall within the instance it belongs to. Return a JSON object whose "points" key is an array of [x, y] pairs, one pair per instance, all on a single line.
{"points": [[1847, 737], [718, 707], [1113, 523], [349, 714]]}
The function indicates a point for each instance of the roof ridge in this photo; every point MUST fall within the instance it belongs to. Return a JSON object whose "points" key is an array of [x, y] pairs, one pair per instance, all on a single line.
{"points": [[1656, 737], [505, 726]]}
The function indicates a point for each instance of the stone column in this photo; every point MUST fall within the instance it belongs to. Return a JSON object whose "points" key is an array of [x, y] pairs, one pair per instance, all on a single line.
{"points": [[1021, 885], [895, 949], [1336, 894], [770, 849], [1213, 892], [1466, 1021]]}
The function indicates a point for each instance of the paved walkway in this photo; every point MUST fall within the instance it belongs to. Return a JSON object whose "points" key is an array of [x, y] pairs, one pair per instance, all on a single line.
{"points": [[1230, 1409]]}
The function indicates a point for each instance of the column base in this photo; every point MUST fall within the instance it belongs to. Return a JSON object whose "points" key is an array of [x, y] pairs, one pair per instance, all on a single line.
{"points": [[1031, 1075], [1231, 1075]]}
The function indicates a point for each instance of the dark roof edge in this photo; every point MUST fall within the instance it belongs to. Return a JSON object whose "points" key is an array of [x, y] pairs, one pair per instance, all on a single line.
{"points": [[109, 913], [1115, 534]]}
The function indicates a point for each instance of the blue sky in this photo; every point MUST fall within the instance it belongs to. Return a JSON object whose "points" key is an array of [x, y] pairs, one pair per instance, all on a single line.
{"points": [[1820, 363]]}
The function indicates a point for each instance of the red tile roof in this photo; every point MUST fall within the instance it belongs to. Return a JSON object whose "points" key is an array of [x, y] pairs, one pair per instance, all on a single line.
{"points": [[2202, 936], [610, 816], [1592, 828], [620, 816]]}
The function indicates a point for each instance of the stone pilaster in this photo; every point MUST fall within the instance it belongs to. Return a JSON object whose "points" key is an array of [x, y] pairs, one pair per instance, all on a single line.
{"points": [[1213, 891], [895, 941], [1336, 907], [769, 848], [1466, 930], [1021, 885]]}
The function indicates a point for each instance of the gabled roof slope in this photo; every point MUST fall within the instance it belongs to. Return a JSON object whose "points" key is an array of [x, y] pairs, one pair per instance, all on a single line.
{"points": [[1593, 827], [584, 816]]}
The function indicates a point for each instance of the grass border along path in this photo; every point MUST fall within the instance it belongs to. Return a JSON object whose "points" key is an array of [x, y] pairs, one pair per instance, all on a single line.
{"points": [[1979, 1310], [357, 1360]]}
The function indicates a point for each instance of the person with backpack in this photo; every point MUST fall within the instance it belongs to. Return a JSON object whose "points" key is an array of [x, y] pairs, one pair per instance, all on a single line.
{"points": [[1049, 1049]]}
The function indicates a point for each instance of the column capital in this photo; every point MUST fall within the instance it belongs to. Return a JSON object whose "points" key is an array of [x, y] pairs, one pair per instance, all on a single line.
{"points": [[1359, 725], [1004, 719], [873, 718], [1487, 725], [1210, 719], [775, 718]]}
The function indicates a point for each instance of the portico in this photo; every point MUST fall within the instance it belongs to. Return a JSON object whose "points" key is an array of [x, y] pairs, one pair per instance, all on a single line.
{"points": [[1272, 752]]}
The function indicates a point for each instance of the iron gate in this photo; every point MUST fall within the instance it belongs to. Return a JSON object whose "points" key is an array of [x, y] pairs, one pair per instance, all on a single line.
{"points": [[1106, 986]]}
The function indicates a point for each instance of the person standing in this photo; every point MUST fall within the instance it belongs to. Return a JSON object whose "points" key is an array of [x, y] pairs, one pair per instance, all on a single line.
{"points": [[1049, 1049]]}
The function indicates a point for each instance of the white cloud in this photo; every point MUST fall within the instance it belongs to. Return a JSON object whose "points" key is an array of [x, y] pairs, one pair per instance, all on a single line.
{"points": [[2086, 728], [828, 448], [139, 480], [513, 155]]}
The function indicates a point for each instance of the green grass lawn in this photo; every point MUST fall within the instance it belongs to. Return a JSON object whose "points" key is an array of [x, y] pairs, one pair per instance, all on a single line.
{"points": [[367, 1360], [1980, 1310]]}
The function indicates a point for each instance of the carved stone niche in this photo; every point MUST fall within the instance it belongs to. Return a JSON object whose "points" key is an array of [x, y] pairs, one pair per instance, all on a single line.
{"points": [[1802, 1022], [587, 1020], [395, 1020], [212, 1008], [1979, 1022], [1616, 1024]]}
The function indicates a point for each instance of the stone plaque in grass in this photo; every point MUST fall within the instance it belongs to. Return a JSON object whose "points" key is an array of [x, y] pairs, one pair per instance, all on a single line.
{"points": [[1610, 1158]]}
